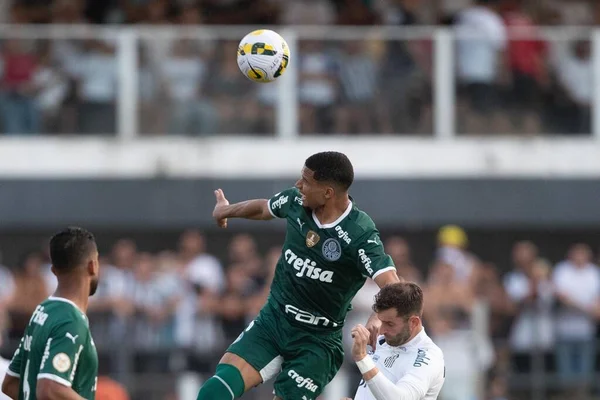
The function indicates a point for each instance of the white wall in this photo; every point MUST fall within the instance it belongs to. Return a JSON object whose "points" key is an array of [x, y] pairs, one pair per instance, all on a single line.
{"points": [[271, 158]]}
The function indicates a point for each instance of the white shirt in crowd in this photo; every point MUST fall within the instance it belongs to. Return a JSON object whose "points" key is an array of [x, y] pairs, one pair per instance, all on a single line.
{"points": [[581, 285], [576, 75], [533, 327], [413, 371], [482, 36]]}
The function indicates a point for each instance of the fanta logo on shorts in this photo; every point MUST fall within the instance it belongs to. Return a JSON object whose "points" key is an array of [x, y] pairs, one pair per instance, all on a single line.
{"points": [[303, 382]]}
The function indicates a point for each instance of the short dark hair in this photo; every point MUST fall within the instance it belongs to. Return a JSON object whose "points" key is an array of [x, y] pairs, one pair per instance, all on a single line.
{"points": [[331, 166], [405, 297], [70, 248]]}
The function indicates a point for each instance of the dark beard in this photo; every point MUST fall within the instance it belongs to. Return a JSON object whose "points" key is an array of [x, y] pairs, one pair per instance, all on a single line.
{"points": [[93, 286], [400, 338]]}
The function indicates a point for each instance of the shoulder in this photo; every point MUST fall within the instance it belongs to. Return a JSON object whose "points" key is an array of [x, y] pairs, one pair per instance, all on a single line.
{"points": [[288, 196], [360, 225]]}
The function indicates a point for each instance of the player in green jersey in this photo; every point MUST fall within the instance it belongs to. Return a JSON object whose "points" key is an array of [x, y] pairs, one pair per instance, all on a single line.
{"points": [[330, 249], [57, 359]]}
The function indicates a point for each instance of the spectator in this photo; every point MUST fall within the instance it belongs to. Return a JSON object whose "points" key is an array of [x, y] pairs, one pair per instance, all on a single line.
{"points": [[526, 59], [357, 75], [452, 249], [234, 96], [532, 294], [574, 71], [397, 247], [30, 289], [448, 312], [7, 287], [155, 298], [317, 87], [479, 56], [204, 283], [96, 75], [20, 113], [577, 285], [183, 73]]}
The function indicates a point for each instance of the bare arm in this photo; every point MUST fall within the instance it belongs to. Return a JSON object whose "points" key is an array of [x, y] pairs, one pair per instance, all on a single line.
{"points": [[10, 386], [50, 390], [373, 323], [249, 209], [257, 209], [386, 278]]}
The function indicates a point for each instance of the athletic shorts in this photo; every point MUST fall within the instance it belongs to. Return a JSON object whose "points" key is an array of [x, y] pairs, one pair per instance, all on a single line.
{"points": [[302, 360]]}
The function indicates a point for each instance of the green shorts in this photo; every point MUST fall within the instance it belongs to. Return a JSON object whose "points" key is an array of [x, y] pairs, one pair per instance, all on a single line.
{"points": [[303, 361]]}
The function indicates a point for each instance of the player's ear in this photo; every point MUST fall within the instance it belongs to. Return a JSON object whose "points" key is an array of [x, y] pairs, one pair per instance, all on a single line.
{"points": [[92, 267], [329, 192]]}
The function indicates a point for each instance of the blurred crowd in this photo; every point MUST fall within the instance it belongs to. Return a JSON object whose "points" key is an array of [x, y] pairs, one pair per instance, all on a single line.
{"points": [[175, 311], [505, 83]]}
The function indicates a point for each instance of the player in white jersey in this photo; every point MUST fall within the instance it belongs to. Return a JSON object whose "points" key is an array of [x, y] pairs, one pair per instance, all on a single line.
{"points": [[406, 364]]}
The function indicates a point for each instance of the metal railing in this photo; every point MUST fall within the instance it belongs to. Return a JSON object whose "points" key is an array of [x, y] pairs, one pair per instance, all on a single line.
{"points": [[286, 109]]}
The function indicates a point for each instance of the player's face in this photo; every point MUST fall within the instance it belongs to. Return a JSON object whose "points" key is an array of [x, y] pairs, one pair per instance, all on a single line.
{"points": [[397, 330], [314, 193]]}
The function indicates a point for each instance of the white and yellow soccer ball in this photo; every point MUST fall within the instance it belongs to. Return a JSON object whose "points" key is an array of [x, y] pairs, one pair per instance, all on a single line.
{"points": [[263, 55]]}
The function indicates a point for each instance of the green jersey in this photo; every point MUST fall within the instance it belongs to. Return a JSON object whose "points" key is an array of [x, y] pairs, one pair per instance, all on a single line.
{"points": [[322, 266], [57, 345]]}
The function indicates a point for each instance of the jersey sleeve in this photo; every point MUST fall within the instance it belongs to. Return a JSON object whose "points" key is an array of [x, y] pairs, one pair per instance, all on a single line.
{"points": [[424, 374], [62, 351], [281, 203], [14, 368], [371, 257]]}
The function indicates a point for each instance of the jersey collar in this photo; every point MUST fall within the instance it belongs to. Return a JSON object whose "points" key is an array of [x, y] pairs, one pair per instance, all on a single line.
{"points": [[337, 221], [56, 298]]}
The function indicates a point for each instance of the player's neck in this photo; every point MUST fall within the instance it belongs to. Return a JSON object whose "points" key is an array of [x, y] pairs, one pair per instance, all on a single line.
{"points": [[418, 330], [77, 293], [332, 211]]}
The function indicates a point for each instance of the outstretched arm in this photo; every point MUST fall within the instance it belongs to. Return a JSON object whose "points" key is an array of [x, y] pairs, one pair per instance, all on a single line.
{"points": [[257, 209]]}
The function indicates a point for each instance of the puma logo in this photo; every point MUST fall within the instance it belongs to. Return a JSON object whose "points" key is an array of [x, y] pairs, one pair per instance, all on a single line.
{"points": [[374, 241], [300, 223], [73, 338]]}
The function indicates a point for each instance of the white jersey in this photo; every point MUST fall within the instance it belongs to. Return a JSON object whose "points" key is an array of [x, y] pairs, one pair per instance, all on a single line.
{"points": [[3, 368], [418, 363]]}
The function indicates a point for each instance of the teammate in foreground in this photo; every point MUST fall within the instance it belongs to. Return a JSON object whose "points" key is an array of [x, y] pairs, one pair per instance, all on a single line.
{"points": [[406, 365], [331, 247], [57, 358]]}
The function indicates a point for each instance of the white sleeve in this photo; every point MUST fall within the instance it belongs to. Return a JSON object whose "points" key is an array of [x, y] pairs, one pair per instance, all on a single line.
{"points": [[407, 388], [414, 385]]}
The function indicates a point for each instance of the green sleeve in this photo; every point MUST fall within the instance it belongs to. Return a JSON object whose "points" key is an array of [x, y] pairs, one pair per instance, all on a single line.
{"points": [[281, 203], [14, 368], [62, 351], [372, 259]]}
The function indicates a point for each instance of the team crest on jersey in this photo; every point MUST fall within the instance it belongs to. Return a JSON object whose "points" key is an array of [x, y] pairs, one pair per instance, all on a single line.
{"points": [[312, 238], [332, 250], [61, 362], [389, 362]]}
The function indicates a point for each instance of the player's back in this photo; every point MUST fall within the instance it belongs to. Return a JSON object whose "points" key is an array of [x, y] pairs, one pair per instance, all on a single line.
{"points": [[56, 345], [419, 361]]}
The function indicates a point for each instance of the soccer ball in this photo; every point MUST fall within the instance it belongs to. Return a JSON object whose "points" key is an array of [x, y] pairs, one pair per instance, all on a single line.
{"points": [[263, 55]]}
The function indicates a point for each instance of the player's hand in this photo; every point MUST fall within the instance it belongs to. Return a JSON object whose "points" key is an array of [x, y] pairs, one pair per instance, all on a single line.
{"points": [[222, 202], [373, 325], [360, 335]]}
